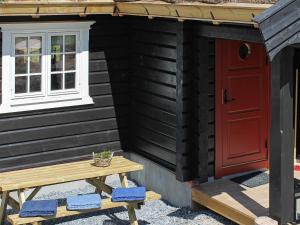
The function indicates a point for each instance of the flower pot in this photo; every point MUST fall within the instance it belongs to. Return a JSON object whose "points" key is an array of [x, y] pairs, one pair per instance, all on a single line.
{"points": [[102, 162]]}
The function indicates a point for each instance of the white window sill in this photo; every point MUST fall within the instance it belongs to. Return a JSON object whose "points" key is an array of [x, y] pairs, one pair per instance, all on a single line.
{"points": [[46, 105]]}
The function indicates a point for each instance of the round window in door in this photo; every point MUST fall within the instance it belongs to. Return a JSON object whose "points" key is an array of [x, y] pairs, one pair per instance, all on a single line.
{"points": [[244, 51]]}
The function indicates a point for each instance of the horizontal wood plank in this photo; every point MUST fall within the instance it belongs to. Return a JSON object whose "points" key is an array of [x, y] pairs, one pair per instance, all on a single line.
{"points": [[61, 173]]}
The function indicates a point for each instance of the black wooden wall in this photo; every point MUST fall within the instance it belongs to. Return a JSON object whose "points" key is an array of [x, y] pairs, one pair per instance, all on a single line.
{"points": [[172, 96], [153, 90], [204, 65], [186, 163], [152, 82], [51, 136]]}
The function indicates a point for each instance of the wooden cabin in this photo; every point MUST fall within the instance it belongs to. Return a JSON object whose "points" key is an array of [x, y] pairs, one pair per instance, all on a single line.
{"points": [[195, 91]]}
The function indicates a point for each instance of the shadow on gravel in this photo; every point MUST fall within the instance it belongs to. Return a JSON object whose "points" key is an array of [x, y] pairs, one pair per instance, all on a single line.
{"points": [[180, 213], [188, 214], [114, 220], [123, 222], [109, 213]]}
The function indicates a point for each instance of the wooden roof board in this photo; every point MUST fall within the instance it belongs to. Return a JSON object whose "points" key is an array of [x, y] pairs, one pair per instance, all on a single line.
{"points": [[240, 13], [227, 12], [280, 26]]}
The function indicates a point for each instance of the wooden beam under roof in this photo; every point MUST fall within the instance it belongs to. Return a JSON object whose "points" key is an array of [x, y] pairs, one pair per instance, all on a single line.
{"points": [[241, 13], [238, 13], [44, 8]]}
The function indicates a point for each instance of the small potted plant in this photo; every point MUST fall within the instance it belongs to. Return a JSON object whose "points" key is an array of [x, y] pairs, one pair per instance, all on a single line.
{"points": [[102, 159]]}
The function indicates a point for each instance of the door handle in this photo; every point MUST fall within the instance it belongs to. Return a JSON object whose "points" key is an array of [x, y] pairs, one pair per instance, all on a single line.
{"points": [[225, 97]]}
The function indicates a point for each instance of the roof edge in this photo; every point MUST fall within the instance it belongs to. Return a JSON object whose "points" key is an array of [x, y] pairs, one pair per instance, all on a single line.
{"points": [[272, 10], [236, 13]]}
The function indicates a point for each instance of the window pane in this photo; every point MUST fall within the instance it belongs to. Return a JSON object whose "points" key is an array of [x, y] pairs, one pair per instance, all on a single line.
{"points": [[21, 85], [56, 44], [70, 43], [70, 61], [69, 80], [35, 83], [57, 62], [21, 64], [21, 45], [35, 64], [35, 45], [56, 82]]}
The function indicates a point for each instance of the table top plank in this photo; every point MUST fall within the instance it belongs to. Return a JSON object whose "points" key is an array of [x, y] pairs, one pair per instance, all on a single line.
{"points": [[61, 173]]}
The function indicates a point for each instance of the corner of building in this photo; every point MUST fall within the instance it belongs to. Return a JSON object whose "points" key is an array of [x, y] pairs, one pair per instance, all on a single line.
{"points": [[161, 180]]}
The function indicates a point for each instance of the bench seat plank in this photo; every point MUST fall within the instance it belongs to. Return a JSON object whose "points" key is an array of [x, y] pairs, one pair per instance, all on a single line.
{"points": [[61, 173], [63, 212]]}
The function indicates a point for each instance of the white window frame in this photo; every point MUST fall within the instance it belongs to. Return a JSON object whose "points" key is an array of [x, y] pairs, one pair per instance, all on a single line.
{"points": [[46, 99]]}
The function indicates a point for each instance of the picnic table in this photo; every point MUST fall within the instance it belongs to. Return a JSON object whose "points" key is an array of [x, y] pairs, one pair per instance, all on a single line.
{"points": [[36, 178]]}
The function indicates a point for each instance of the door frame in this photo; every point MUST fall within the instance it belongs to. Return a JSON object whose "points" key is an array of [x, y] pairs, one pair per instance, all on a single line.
{"points": [[219, 170]]}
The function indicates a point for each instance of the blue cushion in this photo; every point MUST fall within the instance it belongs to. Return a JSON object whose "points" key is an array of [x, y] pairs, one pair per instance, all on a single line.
{"points": [[81, 202], [39, 208], [128, 194]]}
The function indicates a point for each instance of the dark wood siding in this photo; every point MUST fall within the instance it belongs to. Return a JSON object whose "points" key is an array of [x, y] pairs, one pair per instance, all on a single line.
{"points": [[64, 134], [173, 68], [186, 164], [0, 69], [150, 81], [153, 95], [204, 48]]}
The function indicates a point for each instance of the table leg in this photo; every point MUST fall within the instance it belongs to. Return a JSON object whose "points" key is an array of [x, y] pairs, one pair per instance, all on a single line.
{"points": [[22, 198], [13, 203], [102, 181], [3, 207], [33, 193], [131, 212], [100, 185]]}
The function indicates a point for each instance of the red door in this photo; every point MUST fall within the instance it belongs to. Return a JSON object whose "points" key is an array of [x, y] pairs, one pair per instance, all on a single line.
{"points": [[242, 107]]}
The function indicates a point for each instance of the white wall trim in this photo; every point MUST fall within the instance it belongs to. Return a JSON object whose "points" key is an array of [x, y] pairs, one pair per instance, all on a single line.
{"points": [[46, 105]]}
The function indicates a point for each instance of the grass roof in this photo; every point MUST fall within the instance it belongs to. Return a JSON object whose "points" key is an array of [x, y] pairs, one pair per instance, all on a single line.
{"points": [[227, 1], [94, 1]]}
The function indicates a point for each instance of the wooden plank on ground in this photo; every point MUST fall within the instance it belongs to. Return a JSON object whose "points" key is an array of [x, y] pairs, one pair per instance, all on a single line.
{"points": [[221, 208], [232, 200], [62, 211]]}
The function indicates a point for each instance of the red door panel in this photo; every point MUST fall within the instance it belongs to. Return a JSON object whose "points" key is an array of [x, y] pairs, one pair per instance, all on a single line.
{"points": [[240, 150], [242, 107], [240, 87]]}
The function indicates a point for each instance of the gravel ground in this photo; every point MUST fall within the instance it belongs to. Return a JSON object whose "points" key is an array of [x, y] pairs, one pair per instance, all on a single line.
{"points": [[156, 212]]}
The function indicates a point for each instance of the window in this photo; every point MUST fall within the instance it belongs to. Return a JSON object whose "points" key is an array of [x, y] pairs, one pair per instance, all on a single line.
{"points": [[45, 65], [27, 68], [63, 62]]}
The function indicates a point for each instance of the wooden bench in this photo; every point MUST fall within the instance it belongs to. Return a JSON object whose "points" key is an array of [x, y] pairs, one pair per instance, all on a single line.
{"points": [[63, 212], [36, 178]]}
